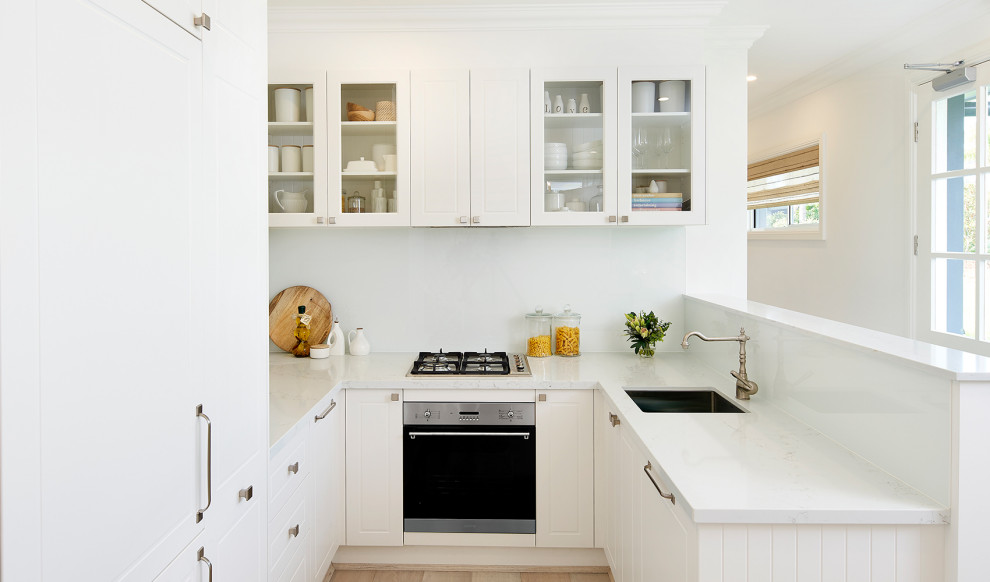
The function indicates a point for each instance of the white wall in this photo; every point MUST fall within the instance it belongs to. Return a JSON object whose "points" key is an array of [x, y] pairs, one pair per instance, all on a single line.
{"points": [[861, 272], [372, 277]]}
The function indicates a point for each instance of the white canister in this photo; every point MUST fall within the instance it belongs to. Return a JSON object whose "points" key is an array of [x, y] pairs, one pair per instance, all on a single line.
{"points": [[319, 351], [286, 104], [379, 151], [553, 201], [272, 158], [308, 92], [672, 96], [358, 343], [391, 162], [291, 158], [644, 94], [307, 158]]}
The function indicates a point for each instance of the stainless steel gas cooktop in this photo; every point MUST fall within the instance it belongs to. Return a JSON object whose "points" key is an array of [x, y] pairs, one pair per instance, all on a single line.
{"points": [[461, 364]]}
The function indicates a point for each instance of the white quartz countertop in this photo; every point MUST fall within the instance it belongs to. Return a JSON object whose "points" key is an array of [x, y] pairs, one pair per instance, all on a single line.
{"points": [[760, 467]]}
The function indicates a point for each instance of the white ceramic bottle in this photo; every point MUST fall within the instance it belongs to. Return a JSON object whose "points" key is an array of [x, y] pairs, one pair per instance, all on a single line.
{"points": [[546, 102], [584, 106], [359, 344], [336, 339]]}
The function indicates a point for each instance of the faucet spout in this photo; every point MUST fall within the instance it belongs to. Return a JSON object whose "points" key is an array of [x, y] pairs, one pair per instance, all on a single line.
{"points": [[744, 386]]}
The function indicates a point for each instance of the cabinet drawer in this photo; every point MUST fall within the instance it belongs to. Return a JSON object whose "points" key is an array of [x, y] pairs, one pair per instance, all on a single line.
{"points": [[288, 531], [297, 568], [286, 470]]}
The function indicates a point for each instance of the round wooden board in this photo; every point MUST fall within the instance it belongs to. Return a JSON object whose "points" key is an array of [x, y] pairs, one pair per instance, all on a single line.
{"points": [[284, 307]]}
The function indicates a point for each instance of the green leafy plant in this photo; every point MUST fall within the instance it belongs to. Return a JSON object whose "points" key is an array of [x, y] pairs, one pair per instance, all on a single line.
{"points": [[644, 331]]}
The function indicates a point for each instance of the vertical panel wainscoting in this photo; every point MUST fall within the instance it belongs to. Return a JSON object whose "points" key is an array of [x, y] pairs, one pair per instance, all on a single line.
{"points": [[820, 553]]}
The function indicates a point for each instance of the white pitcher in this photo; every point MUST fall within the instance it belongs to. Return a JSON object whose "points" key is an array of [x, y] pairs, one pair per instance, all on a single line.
{"points": [[359, 344], [336, 339]]}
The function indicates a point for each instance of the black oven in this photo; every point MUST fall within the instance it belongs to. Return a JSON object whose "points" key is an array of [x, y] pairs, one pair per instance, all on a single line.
{"points": [[469, 467]]}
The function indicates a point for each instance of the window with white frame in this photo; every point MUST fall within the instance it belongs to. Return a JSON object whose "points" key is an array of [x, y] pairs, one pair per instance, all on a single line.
{"points": [[783, 192], [953, 162]]}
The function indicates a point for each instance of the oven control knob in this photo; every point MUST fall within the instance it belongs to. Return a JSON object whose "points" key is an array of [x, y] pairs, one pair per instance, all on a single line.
{"points": [[510, 414], [427, 414]]}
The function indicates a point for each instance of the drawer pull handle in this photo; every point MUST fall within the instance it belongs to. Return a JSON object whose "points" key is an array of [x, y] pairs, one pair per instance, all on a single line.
{"points": [[294, 531], [294, 468], [543, 397], [670, 496], [614, 419], [202, 20], [201, 556], [319, 417], [246, 494], [395, 397]]}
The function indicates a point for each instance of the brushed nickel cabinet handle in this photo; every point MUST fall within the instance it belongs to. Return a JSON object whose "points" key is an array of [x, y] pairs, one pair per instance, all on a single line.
{"points": [[612, 218], [395, 397], [625, 219], [294, 468], [202, 20], [319, 220], [201, 556], [246, 494], [462, 219], [332, 220], [209, 464], [543, 397], [294, 531], [670, 496], [476, 220], [320, 417]]}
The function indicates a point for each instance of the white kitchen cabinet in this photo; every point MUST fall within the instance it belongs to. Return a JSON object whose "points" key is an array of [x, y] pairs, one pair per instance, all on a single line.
{"points": [[663, 534], [144, 198], [191, 565], [309, 132], [587, 137], [290, 532], [565, 471], [350, 141], [663, 146], [472, 148], [374, 467], [326, 438], [185, 13]]}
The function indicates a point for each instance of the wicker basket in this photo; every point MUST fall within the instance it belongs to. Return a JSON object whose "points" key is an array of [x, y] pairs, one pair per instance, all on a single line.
{"points": [[360, 116], [385, 111]]}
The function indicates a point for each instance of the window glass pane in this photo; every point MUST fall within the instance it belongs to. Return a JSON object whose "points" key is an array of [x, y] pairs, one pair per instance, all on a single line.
{"points": [[955, 133], [953, 297], [804, 213], [954, 215], [775, 217]]}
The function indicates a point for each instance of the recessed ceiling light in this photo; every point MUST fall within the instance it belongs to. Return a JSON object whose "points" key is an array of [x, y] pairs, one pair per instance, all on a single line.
{"points": [[750, 78], [664, 99]]}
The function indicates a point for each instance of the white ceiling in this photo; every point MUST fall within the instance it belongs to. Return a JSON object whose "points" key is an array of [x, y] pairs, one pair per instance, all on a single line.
{"points": [[803, 38]]}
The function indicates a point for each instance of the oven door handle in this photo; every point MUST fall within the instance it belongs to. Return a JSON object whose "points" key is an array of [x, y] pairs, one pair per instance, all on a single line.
{"points": [[525, 435]]}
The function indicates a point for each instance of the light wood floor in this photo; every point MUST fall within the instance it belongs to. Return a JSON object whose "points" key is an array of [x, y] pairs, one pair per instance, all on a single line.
{"points": [[418, 576]]}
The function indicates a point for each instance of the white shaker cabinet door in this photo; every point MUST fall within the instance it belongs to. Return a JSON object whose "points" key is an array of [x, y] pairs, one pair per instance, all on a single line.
{"points": [[122, 450], [663, 541], [565, 469], [500, 141], [441, 152], [374, 467], [326, 451]]}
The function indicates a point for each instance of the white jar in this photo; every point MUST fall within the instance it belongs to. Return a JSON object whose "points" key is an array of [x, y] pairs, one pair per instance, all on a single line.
{"points": [[286, 104], [672, 96], [291, 158], [308, 92], [358, 343], [272, 159], [643, 96]]}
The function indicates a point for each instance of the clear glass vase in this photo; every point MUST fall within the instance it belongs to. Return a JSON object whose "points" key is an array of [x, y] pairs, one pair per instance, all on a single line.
{"points": [[648, 351]]}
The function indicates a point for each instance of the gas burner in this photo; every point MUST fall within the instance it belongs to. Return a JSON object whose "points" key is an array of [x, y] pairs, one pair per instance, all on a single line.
{"points": [[485, 357], [439, 367], [485, 363]]}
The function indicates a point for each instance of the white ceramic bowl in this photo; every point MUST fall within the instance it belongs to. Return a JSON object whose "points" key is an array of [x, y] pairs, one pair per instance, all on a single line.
{"points": [[555, 164], [588, 156], [587, 165], [589, 145]]}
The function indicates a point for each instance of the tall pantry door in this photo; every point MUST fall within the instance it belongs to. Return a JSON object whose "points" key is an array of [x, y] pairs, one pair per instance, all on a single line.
{"points": [[128, 331]]}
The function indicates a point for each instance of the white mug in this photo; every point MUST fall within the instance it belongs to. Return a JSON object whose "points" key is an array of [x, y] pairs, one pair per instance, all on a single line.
{"points": [[379, 151], [272, 158], [291, 158]]}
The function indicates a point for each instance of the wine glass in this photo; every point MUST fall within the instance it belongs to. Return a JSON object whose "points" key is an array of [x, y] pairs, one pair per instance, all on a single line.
{"points": [[640, 148], [665, 145]]}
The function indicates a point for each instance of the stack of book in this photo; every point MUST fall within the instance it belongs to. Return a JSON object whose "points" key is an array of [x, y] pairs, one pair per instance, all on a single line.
{"points": [[657, 201]]}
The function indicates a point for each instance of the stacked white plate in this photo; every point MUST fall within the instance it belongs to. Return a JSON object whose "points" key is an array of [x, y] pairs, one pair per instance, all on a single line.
{"points": [[588, 156], [555, 156]]}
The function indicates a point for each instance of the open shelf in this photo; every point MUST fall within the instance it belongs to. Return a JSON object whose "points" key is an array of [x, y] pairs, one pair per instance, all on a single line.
{"points": [[290, 128], [356, 128], [290, 175]]}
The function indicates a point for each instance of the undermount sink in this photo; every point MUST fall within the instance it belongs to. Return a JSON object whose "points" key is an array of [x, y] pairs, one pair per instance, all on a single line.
{"points": [[697, 400]]}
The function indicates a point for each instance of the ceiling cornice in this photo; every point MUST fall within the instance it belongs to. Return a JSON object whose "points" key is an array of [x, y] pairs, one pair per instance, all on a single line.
{"points": [[618, 15], [945, 20], [733, 37]]}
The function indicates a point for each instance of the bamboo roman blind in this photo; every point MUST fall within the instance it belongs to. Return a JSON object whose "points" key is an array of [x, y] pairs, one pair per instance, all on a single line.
{"points": [[783, 180]]}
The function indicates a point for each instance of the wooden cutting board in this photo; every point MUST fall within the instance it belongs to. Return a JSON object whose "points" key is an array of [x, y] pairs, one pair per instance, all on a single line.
{"points": [[284, 307]]}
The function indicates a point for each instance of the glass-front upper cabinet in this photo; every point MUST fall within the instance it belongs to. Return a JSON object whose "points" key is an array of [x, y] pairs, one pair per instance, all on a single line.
{"points": [[369, 148], [661, 146], [297, 185], [573, 114]]}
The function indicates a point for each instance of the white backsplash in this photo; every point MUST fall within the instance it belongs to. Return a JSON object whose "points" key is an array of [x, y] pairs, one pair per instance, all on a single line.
{"points": [[894, 413], [414, 289]]}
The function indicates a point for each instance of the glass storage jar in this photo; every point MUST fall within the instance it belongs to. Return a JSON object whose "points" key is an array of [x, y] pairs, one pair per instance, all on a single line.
{"points": [[567, 332], [538, 344]]}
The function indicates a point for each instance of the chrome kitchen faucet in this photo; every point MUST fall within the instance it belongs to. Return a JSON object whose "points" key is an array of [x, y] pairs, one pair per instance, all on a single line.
{"points": [[744, 386]]}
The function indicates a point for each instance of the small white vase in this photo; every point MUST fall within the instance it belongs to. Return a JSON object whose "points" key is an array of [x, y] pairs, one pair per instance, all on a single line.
{"points": [[336, 340], [358, 343], [546, 102], [584, 106]]}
